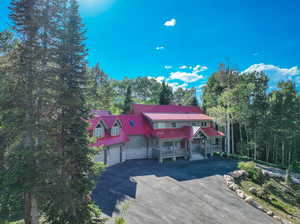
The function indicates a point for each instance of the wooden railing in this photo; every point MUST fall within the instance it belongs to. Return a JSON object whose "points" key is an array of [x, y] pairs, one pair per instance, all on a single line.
{"points": [[164, 153]]}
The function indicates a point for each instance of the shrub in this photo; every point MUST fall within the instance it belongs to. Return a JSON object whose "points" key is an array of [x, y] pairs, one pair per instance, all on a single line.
{"points": [[254, 173], [297, 197], [265, 192]]}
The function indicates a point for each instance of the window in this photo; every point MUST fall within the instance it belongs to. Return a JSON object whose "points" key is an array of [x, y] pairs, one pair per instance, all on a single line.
{"points": [[99, 131], [203, 124], [161, 125], [131, 123], [173, 124], [195, 124], [115, 130], [216, 141]]}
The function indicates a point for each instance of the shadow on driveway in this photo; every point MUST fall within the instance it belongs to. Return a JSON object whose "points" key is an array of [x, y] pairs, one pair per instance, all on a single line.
{"points": [[117, 183]]}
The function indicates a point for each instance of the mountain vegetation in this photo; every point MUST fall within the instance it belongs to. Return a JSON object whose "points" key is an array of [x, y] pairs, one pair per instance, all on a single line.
{"points": [[259, 123]]}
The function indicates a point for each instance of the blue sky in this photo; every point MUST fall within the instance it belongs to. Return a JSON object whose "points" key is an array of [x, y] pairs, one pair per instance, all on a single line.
{"points": [[184, 41]]}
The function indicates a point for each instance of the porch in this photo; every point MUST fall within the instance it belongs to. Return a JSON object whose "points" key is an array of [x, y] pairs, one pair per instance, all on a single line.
{"points": [[169, 149]]}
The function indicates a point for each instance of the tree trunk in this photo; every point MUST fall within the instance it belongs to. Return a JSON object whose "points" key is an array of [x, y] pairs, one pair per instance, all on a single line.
{"points": [[241, 137], [232, 140], [254, 155], [31, 209], [228, 135], [267, 153], [282, 154]]}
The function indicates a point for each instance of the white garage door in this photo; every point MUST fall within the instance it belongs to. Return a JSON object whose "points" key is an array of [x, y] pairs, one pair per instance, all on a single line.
{"points": [[113, 155], [100, 156], [137, 153]]}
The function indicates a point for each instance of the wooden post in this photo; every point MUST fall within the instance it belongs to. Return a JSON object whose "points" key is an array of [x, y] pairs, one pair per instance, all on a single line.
{"points": [[174, 152]]}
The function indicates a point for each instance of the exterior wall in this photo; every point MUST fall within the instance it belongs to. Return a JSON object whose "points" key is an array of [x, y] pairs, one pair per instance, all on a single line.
{"points": [[179, 124], [136, 148]]}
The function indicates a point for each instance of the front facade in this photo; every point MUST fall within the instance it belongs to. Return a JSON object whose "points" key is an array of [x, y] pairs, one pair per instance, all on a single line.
{"points": [[154, 131]]}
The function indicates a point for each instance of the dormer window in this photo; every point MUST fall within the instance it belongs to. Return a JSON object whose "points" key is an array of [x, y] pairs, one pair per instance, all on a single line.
{"points": [[99, 131], [204, 124], [115, 130]]}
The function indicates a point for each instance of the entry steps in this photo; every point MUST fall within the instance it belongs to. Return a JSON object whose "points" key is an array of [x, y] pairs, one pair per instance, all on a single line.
{"points": [[196, 156]]}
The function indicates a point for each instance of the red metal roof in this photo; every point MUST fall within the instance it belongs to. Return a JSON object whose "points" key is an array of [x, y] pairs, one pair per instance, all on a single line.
{"points": [[141, 108], [135, 125], [209, 131], [170, 133], [176, 116], [111, 140]]}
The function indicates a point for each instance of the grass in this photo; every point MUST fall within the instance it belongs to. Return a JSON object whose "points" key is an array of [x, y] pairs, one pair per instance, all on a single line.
{"points": [[280, 198]]}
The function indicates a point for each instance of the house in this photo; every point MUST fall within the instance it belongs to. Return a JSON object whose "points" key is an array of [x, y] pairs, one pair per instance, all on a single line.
{"points": [[154, 131]]}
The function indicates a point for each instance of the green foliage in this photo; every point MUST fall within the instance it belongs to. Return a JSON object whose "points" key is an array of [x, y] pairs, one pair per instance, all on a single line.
{"points": [[165, 96], [254, 173], [264, 191], [128, 101]]}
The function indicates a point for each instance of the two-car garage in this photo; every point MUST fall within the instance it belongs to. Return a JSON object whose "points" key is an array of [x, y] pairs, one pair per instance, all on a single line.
{"points": [[135, 148]]}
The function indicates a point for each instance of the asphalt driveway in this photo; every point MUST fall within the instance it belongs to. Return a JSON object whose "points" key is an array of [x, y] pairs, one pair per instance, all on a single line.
{"points": [[174, 192]]}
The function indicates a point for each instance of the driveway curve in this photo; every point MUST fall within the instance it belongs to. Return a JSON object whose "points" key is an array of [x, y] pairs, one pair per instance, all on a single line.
{"points": [[179, 192]]}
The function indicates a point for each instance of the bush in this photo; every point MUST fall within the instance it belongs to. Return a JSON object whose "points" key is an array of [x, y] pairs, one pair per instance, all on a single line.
{"points": [[297, 196], [265, 192], [254, 173]]}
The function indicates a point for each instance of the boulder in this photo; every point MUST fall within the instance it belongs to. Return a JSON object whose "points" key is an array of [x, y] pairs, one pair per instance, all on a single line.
{"points": [[270, 213], [253, 190], [277, 217], [239, 173], [249, 199], [240, 193], [233, 187]]}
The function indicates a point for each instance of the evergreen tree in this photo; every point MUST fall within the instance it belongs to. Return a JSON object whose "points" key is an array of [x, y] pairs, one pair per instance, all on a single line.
{"points": [[194, 101], [69, 201], [128, 101], [166, 95]]}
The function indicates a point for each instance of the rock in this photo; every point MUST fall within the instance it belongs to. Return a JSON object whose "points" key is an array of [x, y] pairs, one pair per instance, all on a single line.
{"points": [[253, 190], [277, 218], [249, 199], [228, 179], [240, 193], [233, 187], [270, 213], [239, 174]]}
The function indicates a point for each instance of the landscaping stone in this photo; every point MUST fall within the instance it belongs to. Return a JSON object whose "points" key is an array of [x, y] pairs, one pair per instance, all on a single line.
{"points": [[239, 173], [270, 213], [233, 187], [249, 199], [241, 194], [253, 190]]}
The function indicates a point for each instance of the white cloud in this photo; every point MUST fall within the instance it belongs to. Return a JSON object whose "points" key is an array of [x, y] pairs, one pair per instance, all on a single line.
{"points": [[159, 48], [183, 67], [176, 85], [186, 76], [275, 69], [168, 67], [275, 73], [199, 68], [171, 22]]}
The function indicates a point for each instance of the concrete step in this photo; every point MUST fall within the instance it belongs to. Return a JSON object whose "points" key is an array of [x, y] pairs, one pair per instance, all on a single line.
{"points": [[196, 156]]}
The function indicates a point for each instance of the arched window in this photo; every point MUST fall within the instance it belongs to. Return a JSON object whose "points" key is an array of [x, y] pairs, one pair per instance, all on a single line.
{"points": [[115, 130], [99, 131]]}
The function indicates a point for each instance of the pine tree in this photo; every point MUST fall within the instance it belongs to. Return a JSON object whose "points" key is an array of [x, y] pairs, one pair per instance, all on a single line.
{"points": [[23, 158], [166, 95], [127, 101], [194, 101], [70, 189]]}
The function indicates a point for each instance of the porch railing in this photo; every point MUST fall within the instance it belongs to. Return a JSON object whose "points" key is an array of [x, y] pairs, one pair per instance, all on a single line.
{"points": [[164, 153]]}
